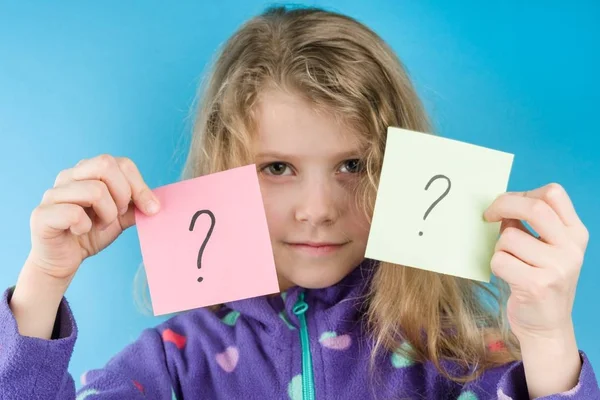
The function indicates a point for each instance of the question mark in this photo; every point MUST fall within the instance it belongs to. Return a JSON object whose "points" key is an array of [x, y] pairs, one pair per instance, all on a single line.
{"points": [[212, 225], [439, 198]]}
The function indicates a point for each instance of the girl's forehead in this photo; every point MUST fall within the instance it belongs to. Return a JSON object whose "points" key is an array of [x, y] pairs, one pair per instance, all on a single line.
{"points": [[284, 118]]}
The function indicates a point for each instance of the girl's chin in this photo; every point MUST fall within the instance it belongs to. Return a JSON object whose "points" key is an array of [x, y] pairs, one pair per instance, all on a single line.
{"points": [[310, 280]]}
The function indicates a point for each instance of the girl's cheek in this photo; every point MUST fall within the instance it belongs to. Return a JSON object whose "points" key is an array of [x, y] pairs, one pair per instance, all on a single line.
{"points": [[276, 203]]}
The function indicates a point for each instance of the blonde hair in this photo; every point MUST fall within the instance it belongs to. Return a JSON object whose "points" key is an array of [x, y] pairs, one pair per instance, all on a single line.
{"points": [[341, 66]]}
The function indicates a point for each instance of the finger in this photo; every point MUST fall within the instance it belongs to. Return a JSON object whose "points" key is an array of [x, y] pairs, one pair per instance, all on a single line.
{"points": [[92, 193], [526, 248], [142, 195], [103, 168], [514, 223], [512, 270], [536, 212], [128, 219], [558, 199], [52, 219]]}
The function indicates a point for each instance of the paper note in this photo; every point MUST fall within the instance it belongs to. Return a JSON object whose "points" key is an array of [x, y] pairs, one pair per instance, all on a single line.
{"points": [[430, 202], [209, 243]]}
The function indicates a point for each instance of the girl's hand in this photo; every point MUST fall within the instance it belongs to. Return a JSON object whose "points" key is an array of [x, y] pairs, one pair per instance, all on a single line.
{"points": [[542, 272], [86, 210]]}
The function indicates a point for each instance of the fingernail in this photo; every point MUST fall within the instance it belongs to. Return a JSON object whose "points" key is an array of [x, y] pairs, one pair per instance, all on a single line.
{"points": [[123, 210], [152, 207]]}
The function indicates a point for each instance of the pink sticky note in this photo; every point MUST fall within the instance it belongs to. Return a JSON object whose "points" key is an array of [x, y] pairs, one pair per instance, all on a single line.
{"points": [[224, 211]]}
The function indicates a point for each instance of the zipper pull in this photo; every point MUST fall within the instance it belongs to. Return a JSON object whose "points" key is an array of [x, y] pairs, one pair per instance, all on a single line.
{"points": [[301, 306]]}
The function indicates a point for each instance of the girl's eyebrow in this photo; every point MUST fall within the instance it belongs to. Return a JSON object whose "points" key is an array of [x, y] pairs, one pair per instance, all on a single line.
{"points": [[355, 153]]}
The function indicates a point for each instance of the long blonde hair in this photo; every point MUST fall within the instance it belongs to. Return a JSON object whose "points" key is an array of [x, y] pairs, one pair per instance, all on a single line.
{"points": [[341, 66]]}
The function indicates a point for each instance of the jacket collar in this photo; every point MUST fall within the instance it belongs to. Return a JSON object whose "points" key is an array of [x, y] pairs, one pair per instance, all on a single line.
{"points": [[339, 304]]}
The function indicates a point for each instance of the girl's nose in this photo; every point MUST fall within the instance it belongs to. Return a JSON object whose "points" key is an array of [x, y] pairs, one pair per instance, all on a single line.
{"points": [[316, 204]]}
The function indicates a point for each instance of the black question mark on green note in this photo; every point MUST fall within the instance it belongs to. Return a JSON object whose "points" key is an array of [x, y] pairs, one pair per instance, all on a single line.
{"points": [[212, 225], [439, 198]]}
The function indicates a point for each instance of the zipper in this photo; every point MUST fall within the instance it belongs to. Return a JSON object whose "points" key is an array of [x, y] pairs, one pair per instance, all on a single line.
{"points": [[308, 382]]}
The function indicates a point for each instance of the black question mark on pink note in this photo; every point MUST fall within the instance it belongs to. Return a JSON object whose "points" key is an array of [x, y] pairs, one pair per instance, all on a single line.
{"points": [[212, 225], [439, 198]]}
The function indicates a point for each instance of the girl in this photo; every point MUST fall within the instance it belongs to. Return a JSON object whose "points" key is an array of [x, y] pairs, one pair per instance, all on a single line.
{"points": [[307, 95]]}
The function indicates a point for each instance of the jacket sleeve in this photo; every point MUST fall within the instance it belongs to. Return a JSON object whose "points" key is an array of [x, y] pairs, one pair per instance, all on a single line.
{"points": [[33, 368], [510, 384]]}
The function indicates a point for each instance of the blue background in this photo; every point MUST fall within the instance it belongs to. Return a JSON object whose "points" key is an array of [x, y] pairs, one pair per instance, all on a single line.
{"points": [[79, 79]]}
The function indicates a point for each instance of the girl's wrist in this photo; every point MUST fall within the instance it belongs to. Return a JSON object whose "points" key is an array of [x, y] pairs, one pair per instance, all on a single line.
{"points": [[551, 361], [35, 301], [562, 334]]}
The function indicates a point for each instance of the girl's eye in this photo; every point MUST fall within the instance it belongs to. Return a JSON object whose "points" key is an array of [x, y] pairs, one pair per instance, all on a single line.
{"points": [[276, 168], [351, 166]]}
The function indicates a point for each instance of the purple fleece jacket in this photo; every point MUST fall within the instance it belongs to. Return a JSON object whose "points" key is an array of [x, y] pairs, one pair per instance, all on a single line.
{"points": [[251, 349]]}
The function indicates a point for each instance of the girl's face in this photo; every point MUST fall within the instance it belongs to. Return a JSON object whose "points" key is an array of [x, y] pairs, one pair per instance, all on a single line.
{"points": [[308, 172]]}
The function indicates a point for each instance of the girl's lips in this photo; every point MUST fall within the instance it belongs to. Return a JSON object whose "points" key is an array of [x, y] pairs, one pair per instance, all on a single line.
{"points": [[317, 249]]}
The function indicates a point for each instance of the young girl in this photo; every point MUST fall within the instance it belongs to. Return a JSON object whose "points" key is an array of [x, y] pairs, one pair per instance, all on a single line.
{"points": [[307, 95]]}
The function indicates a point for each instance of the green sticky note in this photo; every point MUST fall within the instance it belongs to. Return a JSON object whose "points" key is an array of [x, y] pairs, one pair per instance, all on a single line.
{"points": [[440, 228]]}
